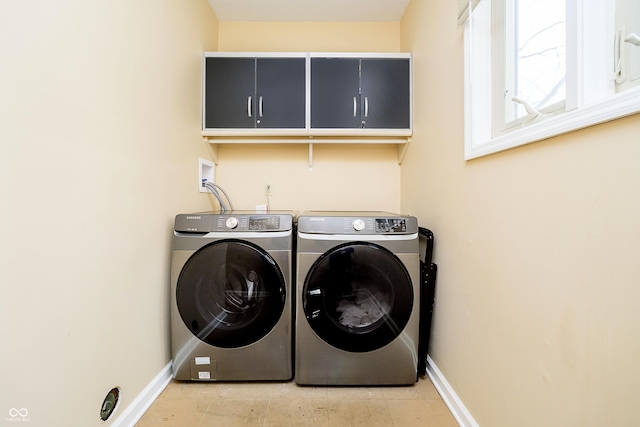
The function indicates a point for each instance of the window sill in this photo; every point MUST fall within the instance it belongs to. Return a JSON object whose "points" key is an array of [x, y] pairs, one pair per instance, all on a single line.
{"points": [[620, 105]]}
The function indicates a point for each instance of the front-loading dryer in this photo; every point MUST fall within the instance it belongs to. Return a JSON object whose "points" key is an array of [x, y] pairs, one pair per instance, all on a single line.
{"points": [[358, 299], [231, 314]]}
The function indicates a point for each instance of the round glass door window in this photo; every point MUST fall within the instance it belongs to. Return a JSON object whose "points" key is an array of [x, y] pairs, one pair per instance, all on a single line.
{"points": [[358, 297], [230, 293]]}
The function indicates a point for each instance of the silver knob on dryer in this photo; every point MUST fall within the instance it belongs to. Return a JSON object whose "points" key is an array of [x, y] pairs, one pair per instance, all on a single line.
{"points": [[231, 223], [358, 225]]}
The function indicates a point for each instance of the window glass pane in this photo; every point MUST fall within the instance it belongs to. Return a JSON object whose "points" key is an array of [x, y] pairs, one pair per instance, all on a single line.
{"points": [[538, 66]]}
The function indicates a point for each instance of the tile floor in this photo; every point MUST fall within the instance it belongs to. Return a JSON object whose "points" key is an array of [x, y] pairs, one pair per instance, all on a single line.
{"points": [[193, 404]]}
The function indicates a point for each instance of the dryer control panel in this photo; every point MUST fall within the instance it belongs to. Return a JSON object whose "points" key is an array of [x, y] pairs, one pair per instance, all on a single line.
{"points": [[357, 223], [391, 225]]}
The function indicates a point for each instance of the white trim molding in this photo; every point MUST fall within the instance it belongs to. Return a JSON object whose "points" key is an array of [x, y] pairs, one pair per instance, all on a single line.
{"points": [[451, 399], [145, 399], [614, 107]]}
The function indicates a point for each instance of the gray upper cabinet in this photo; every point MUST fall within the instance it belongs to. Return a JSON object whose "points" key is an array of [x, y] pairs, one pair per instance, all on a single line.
{"points": [[335, 93], [251, 93], [361, 93], [307, 98]]}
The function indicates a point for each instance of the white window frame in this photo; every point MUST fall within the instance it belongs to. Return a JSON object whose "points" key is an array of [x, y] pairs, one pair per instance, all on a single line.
{"points": [[627, 53], [591, 93]]}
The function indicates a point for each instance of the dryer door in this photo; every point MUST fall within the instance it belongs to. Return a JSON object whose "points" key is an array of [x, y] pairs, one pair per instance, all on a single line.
{"points": [[358, 297], [230, 293]]}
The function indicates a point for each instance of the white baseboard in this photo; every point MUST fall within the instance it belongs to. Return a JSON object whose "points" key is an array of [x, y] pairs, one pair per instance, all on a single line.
{"points": [[141, 403], [451, 399]]}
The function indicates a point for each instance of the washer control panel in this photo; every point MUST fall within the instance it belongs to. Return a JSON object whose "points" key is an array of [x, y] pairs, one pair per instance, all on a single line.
{"points": [[249, 222], [260, 223], [358, 225], [232, 222]]}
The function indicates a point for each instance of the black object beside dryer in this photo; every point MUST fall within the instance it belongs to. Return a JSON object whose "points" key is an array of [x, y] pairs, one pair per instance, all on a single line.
{"points": [[428, 271], [231, 314], [358, 298]]}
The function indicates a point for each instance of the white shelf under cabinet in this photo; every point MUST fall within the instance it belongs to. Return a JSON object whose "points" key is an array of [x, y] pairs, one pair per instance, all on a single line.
{"points": [[399, 138]]}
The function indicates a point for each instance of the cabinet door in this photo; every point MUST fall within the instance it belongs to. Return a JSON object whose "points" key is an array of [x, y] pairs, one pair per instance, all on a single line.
{"points": [[280, 95], [386, 100], [229, 93], [335, 94]]}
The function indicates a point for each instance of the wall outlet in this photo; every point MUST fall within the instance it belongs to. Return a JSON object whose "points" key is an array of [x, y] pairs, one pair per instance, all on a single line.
{"points": [[268, 190]]}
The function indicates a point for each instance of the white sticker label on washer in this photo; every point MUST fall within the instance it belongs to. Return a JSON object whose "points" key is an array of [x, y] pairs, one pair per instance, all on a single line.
{"points": [[203, 361], [204, 375]]}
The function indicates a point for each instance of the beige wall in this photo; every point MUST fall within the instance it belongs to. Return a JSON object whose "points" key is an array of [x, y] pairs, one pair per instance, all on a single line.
{"points": [[536, 320], [99, 131], [357, 177], [309, 37]]}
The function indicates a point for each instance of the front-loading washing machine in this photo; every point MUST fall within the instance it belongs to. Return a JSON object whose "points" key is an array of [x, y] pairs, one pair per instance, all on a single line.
{"points": [[231, 313], [358, 299]]}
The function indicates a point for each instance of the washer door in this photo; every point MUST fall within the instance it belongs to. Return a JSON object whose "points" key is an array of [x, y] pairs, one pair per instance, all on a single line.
{"points": [[230, 293], [358, 297]]}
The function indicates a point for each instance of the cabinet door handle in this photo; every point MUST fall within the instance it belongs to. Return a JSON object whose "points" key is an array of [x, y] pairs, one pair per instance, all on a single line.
{"points": [[260, 107], [355, 106], [249, 106], [366, 106]]}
